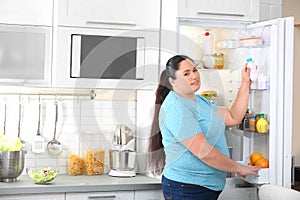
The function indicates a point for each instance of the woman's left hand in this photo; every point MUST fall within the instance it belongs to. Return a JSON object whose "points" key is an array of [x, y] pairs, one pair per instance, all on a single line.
{"points": [[246, 74]]}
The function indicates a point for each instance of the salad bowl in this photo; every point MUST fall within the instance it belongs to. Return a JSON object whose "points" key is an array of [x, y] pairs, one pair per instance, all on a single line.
{"points": [[42, 175]]}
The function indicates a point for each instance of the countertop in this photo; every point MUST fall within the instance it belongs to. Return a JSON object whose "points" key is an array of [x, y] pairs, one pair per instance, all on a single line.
{"points": [[81, 183]]}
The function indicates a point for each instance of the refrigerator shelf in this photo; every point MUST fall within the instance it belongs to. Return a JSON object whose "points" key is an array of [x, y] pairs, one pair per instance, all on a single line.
{"points": [[262, 179], [252, 134]]}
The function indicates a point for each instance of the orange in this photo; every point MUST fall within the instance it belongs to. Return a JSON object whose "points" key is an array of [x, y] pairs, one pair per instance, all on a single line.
{"points": [[254, 157], [250, 164], [263, 163]]}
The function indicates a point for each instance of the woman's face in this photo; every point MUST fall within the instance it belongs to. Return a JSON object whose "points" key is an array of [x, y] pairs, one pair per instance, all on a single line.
{"points": [[187, 78]]}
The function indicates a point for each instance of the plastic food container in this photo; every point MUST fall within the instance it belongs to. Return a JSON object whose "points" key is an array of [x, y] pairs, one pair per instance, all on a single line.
{"points": [[94, 162], [75, 165]]}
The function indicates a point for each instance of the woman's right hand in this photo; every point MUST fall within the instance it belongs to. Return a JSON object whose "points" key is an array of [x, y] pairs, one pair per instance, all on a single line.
{"points": [[248, 170]]}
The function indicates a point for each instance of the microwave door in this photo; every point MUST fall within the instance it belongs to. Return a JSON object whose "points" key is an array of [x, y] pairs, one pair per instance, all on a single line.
{"points": [[140, 59], [76, 51]]}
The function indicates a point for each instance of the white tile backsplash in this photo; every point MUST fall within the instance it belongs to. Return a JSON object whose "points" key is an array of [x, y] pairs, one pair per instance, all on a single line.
{"points": [[82, 125]]}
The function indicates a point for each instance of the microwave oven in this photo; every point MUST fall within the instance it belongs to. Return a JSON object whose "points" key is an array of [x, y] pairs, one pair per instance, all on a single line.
{"points": [[25, 55], [105, 58]]}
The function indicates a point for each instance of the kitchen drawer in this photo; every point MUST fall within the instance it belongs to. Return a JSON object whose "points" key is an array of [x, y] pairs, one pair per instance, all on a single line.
{"points": [[29, 12], [58, 196], [127, 14], [148, 195], [247, 10], [114, 195]]}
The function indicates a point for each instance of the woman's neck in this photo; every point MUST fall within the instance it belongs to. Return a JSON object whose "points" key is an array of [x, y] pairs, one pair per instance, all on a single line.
{"points": [[190, 96]]}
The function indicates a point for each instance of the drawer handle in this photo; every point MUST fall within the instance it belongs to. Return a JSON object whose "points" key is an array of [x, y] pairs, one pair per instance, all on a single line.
{"points": [[221, 14], [102, 197], [112, 23]]}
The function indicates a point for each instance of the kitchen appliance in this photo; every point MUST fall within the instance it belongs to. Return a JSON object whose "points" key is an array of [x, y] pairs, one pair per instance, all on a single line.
{"points": [[270, 45], [122, 156], [11, 165], [105, 58]]}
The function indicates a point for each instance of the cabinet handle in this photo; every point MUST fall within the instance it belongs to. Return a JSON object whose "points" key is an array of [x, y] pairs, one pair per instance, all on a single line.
{"points": [[221, 14], [102, 197], [112, 23]]}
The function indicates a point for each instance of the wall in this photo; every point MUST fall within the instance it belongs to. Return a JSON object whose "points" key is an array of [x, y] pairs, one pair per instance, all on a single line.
{"points": [[292, 8], [83, 124]]}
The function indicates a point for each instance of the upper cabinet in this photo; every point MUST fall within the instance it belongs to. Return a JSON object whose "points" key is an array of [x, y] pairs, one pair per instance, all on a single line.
{"points": [[29, 12], [246, 10], [129, 14]]}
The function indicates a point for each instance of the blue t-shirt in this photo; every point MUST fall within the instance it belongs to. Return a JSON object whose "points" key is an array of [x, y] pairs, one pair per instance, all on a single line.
{"points": [[180, 119]]}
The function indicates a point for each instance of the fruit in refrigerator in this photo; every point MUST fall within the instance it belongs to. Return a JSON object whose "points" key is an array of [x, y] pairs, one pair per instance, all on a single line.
{"points": [[254, 157], [263, 163]]}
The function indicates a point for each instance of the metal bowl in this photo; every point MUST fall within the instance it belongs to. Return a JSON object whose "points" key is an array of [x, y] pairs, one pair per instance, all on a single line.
{"points": [[11, 165], [122, 160]]}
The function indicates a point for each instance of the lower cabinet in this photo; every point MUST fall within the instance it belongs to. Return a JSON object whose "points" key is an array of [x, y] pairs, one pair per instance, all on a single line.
{"points": [[114, 195], [54, 196], [148, 195]]}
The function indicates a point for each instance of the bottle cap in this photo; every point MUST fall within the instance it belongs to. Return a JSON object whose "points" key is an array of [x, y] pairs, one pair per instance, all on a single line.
{"points": [[261, 115], [249, 60]]}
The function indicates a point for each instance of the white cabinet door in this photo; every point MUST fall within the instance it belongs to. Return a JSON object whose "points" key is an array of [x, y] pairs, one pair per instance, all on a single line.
{"points": [[32, 12], [114, 195], [148, 195], [121, 13], [60, 196], [238, 194], [246, 10]]}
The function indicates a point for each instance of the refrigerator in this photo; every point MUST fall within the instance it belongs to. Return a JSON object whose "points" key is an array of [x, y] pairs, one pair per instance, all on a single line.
{"points": [[270, 45]]}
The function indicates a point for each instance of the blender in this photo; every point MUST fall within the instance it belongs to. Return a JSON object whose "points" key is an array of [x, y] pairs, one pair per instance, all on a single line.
{"points": [[122, 156]]}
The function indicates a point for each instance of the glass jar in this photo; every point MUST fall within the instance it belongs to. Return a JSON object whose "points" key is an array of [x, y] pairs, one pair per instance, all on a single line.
{"points": [[219, 60], [252, 123]]}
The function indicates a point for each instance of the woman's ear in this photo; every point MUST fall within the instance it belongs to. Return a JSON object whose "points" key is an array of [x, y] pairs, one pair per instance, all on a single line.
{"points": [[172, 82]]}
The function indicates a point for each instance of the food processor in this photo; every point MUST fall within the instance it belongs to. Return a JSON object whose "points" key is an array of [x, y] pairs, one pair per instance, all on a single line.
{"points": [[122, 156]]}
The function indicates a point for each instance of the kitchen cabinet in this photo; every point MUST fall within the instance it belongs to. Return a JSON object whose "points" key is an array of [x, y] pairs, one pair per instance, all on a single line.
{"points": [[113, 195], [55, 196], [29, 12], [127, 14], [148, 195], [247, 10]]}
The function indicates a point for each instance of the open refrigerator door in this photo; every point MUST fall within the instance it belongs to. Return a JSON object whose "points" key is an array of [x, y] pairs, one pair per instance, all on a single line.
{"points": [[270, 46]]}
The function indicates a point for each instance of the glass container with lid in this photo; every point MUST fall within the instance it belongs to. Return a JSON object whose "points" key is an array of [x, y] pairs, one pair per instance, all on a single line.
{"points": [[219, 60]]}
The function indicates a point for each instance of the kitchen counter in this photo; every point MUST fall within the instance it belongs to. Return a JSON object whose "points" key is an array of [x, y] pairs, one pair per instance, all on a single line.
{"points": [[82, 183]]}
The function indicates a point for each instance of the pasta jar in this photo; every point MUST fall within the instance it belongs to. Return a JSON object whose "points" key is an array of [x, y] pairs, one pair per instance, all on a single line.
{"points": [[219, 60]]}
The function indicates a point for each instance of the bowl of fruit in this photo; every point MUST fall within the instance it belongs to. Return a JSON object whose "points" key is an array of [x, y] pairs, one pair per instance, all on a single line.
{"points": [[42, 175]]}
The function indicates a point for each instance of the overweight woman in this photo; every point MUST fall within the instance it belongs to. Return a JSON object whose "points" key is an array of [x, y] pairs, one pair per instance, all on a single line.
{"points": [[187, 144]]}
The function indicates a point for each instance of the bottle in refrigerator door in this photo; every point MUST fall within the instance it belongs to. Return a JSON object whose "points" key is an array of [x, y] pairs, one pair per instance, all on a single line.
{"points": [[253, 68], [262, 124]]}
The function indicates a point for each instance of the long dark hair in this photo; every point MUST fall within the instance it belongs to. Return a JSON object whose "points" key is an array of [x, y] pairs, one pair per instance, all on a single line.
{"points": [[156, 149]]}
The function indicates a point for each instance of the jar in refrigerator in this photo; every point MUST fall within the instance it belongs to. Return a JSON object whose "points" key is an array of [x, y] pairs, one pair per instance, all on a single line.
{"points": [[252, 123], [219, 60]]}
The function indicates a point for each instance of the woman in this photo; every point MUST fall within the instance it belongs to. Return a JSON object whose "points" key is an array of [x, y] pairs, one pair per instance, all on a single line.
{"points": [[189, 132]]}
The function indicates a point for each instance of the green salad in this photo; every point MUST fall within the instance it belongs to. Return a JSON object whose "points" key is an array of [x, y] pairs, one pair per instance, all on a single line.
{"points": [[42, 175], [8, 143]]}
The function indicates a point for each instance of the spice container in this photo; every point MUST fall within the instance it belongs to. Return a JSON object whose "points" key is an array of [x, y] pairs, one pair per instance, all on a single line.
{"points": [[94, 162], [75, 164], [219, 60]]}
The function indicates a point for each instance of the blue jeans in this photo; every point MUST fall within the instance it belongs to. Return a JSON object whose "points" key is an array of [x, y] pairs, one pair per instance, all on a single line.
{"points": [[173, 190]]}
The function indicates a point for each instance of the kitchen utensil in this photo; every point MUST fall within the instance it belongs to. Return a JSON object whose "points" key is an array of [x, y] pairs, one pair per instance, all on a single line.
{"points": [[122, 163], [4, 125], [38, 145], [11, 165], [19, 123], [54, 146], [122, 135]]}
